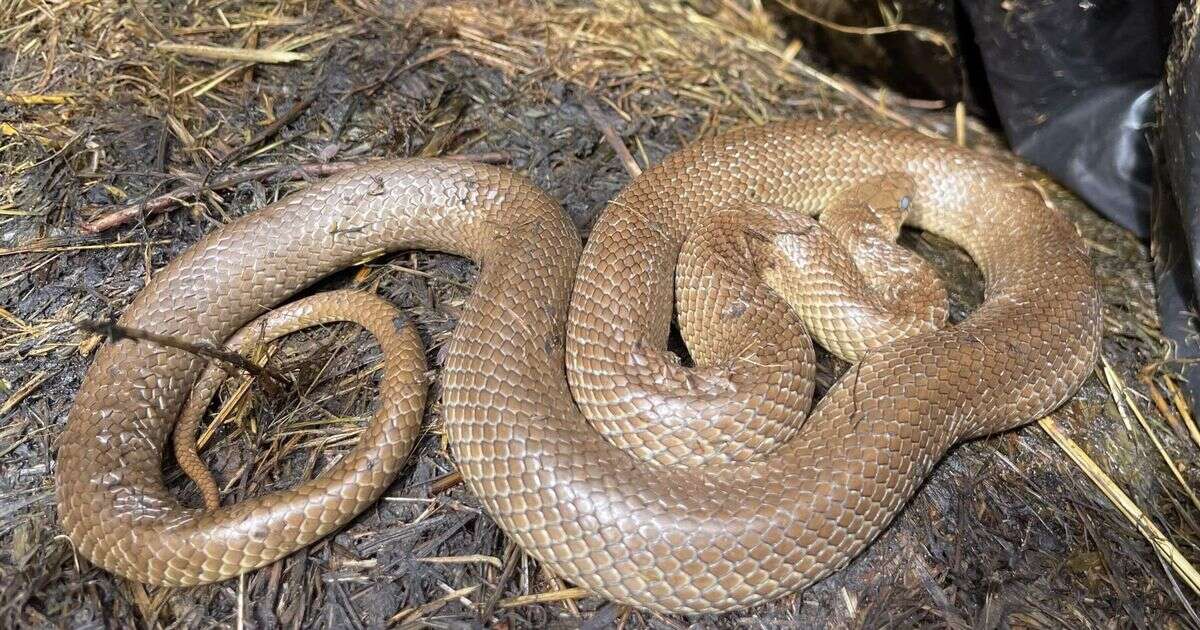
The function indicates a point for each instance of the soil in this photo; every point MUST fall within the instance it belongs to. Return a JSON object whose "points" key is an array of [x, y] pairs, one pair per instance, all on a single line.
{"points": [[99, 122]]}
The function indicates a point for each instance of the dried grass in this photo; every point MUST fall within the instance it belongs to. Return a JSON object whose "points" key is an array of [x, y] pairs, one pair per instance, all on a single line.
{"points": [[176, 119]]}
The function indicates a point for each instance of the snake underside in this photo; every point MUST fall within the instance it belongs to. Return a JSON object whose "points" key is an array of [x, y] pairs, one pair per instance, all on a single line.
{"points": [[566, 414]]}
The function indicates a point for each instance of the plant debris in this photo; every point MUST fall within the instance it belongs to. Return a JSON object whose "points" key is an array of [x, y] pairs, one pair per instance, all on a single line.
{"points": [[129, 130]]}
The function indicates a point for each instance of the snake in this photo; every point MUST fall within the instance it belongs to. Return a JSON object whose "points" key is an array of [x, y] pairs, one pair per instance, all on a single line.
{"points": [[590, 443]]}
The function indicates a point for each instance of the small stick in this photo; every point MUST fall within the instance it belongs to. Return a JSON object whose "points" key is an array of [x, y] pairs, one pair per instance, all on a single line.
{"points": [[270, 130], [23, 391], [444, 483], [614, 141], [477, 557], [229, 53], [565, 594], [511, 555], [418, 612], [114, 331]]}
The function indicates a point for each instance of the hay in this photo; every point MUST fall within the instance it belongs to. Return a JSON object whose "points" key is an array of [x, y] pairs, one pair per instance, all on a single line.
{"points": [[161, 124]]}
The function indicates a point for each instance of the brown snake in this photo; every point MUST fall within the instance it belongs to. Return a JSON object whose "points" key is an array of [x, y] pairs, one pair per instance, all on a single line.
{"points": [[547, 334]]}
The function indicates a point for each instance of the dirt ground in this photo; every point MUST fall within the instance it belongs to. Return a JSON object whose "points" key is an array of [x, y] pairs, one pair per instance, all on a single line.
{"points": [[121, 143]]}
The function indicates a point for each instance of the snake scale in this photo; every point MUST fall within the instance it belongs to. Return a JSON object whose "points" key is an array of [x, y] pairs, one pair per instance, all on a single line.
{"points": [[564, 410]]}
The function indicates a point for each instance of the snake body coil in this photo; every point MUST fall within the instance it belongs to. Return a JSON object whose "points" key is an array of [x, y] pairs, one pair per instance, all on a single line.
{"points": [[744, 526]]}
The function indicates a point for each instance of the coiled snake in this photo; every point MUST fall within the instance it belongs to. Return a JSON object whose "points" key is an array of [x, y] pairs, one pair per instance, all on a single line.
{"points": [[686, 489]]}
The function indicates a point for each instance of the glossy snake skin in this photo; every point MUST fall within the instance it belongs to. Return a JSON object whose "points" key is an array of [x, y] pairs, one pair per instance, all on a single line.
{"points": [[558, 365]]}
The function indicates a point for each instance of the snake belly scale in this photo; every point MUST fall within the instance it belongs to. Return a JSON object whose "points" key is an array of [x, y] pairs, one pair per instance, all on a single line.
{"points": [[557, 340]]}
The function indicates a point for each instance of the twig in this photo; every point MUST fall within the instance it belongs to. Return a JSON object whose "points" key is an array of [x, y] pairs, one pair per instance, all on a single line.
{"points": [[162, 150], [418, 612], [444, 483], [477, 557], [614, 140], [883, 95], [270, 130], [227, 53], [512, 554], [401, 67], [115, 331], [24, 391], [565, 594]]}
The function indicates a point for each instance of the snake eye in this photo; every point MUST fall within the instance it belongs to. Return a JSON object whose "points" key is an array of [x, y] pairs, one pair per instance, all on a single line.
{"points": [[905, 202]]}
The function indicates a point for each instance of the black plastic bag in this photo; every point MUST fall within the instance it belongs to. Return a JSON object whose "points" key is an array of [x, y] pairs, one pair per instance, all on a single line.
{"points": [[1086, 91], [1074, 84]]}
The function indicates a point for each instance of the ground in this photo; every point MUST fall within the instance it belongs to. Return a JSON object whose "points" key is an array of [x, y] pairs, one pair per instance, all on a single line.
{"points": [[117, 153]]}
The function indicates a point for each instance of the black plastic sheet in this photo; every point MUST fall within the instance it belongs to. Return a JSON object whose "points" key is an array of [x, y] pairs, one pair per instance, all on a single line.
{"points": [[1074, 84], [1087, 91], [1102, 94]]}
